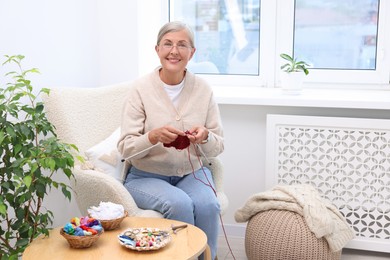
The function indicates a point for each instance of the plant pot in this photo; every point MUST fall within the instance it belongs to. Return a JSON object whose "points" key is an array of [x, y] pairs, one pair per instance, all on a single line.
{"points": [[292, 82]]}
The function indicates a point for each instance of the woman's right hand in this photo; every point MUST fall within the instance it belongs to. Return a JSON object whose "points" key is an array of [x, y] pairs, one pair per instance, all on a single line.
{"points": [[165, 134]]}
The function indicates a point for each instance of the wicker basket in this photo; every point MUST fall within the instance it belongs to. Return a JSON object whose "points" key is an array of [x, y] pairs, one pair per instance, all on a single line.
{"points": [[80, 241], [112, 223]]}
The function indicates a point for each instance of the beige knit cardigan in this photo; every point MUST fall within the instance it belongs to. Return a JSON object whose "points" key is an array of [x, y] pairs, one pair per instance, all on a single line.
{"points": [[148, 106]]}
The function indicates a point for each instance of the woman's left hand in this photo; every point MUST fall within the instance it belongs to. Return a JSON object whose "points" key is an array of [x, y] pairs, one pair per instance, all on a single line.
{"points": [[198, 134]]}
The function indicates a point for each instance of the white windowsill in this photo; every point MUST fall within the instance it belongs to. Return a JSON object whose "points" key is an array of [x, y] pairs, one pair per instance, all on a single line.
{"points": [[326, 98]]}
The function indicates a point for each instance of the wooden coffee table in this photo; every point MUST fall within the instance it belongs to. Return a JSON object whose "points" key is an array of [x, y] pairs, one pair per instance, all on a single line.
{"points": [[187, 243]]}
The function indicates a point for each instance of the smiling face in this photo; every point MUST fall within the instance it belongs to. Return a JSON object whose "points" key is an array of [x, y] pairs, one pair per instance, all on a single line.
{"points": [[174, 51]]}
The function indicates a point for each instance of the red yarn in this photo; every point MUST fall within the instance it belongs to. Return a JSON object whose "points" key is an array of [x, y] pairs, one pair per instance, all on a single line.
{"points": [[180, 143]]}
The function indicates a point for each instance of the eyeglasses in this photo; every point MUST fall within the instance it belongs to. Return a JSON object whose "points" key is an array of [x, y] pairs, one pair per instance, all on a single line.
{"points": [[180, 46]]}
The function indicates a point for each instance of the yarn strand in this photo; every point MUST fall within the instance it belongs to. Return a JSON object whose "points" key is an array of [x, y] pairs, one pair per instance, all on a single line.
{"points": [[211, 186]]}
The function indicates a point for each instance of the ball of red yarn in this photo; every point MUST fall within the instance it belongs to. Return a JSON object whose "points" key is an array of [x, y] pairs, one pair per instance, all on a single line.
{"points": [[180, 143]]}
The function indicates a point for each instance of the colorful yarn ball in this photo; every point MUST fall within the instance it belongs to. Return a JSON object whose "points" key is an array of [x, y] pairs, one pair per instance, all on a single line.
{"points": [[93, 222], [69, 228], [84, 226], [75, 221], [84, 221], [87, 233], [98, 228], [79, 232]]}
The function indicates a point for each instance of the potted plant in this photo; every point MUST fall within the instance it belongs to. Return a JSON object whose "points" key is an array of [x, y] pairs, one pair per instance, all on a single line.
{"points": [[31, 157], [294, 70]]}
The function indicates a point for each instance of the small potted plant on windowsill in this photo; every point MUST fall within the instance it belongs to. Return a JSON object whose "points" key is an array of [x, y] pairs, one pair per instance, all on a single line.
{"points": [[294, 70]]}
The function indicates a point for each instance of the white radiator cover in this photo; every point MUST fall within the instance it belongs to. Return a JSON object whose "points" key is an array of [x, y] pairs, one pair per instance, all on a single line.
{"points": [[346, 159]]}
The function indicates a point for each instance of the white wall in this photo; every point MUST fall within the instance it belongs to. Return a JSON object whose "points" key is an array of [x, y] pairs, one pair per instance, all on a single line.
{"points": [[73, 43], [55, 36], [117, 40], [94, 42]]}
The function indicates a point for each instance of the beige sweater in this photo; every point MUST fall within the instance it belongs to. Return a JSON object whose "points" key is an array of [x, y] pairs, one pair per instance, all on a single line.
{"points": [[322, 218], [148, 106]]}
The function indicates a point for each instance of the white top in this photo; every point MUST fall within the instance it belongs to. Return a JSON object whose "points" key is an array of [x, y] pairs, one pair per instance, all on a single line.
{"points": [[173, 91]]}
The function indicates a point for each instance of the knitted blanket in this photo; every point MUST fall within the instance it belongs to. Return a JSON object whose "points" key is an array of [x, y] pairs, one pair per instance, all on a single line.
{"points": [[322, 217]]}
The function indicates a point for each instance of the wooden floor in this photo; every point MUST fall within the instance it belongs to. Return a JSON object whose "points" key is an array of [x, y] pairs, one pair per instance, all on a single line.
{"points": [[238, 248]]}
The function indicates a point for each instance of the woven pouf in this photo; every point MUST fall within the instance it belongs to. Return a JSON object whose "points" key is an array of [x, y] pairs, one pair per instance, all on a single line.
{"points": [[284, 235]]}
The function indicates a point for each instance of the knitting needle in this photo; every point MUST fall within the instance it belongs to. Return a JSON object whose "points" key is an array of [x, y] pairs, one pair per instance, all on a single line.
{"points": [[144, 150], [147, 149], [204, 156]]}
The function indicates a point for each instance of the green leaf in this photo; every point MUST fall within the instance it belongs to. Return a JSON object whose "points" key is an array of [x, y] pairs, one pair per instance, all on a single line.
{"points": [[10, 131], [80, 158], [33, 167], [286, 57], [12, 257], [284, 66], [22, 242], [1, 137], [27, 180], [67, 193], [68, 172], [45, 90], [41, 190], [3, 208], [33, 70], [17, 148], [49, 163], [39, 108]]}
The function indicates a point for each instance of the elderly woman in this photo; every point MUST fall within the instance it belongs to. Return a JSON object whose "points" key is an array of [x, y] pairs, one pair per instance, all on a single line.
{"points": [[169, 118]]}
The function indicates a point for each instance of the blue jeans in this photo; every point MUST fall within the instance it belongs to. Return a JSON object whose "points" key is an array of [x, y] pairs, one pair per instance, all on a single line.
{"points": [[186, 199]]}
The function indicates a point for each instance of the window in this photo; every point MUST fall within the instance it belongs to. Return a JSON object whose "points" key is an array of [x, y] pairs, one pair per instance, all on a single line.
{"points": [[344, 41], [239, 41], [337, 34], [227, 35]]}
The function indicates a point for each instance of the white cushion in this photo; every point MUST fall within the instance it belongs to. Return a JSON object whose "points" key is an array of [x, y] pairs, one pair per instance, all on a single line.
{"points": [[105, 157]]}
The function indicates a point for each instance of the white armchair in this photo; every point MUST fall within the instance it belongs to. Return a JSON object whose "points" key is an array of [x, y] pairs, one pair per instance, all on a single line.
{"points": [[87, 116]]}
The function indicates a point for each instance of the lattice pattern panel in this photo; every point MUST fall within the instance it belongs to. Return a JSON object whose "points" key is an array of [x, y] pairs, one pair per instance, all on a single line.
{"points": [[350, 167]]}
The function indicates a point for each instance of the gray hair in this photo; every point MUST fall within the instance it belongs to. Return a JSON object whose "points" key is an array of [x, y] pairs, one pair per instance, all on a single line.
{"points": [[175, 27]]}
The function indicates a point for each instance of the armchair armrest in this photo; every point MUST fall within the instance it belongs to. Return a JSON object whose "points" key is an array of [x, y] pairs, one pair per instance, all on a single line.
{"points": [[215, 166], [91, 187]]}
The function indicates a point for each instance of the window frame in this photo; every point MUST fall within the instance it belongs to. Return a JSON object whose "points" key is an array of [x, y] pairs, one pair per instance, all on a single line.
{"points": [[276, 36], [357, 78]]}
